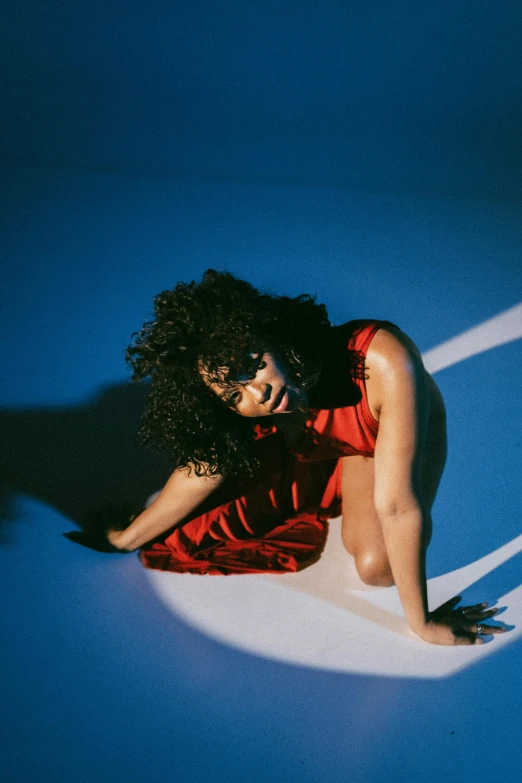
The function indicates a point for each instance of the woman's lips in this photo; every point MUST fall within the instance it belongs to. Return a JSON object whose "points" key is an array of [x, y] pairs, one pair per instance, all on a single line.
{"points": [[282, 404]]}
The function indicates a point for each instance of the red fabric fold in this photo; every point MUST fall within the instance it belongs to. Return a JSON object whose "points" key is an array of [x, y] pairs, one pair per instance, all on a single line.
{"points": [[286, 548]]}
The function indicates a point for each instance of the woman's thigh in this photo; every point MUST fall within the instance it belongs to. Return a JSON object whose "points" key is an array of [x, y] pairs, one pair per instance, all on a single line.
{"points": [[361, 527]]}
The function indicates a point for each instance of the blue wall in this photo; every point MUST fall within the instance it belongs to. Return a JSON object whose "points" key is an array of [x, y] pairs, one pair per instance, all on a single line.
{"points": [[404, 96]]}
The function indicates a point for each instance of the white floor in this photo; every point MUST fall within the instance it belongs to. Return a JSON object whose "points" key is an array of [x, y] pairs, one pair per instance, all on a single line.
{"points": [[115, 673]]}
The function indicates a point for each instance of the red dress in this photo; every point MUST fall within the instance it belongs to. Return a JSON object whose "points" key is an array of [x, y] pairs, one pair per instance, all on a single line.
{"points": [[280, 522]]}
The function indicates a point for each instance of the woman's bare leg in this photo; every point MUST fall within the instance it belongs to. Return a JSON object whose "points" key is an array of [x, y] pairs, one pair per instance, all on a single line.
{"points": [[361, 528]]}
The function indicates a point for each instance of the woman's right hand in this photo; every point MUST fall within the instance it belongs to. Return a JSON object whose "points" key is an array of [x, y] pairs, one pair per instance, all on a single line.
{"points": [[115, 540], [450, 626], [101, 529]]}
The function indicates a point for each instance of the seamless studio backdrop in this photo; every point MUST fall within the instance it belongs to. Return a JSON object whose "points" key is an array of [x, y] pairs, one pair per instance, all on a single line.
{"points": [[367, 153]]}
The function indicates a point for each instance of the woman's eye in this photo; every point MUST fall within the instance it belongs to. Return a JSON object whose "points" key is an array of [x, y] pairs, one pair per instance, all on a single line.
{"points": [[257, 362], [234, 398]]}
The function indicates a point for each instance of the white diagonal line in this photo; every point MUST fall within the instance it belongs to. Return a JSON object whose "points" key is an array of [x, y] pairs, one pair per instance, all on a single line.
{"points": [[501, 329]]}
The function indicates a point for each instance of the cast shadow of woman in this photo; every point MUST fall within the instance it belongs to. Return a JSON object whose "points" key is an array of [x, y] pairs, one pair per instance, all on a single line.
{"points": [[78, 459]]}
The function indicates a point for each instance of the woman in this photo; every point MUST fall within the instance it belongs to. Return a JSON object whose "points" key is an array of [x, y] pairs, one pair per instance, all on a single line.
{"points": [[276, 421]]}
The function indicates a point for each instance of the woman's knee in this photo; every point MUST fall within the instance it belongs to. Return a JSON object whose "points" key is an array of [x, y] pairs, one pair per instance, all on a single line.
{"points": [[374, 568]]}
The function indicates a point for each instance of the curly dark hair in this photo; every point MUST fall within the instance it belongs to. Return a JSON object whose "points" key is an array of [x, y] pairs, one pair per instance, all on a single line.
{"points": [[217, 324]]}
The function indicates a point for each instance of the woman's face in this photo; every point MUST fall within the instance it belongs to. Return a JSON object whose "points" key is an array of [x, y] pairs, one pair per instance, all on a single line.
{"points": [[269, 392]]}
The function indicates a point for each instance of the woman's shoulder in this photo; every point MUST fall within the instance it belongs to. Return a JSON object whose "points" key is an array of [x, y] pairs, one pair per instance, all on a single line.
{"points": [[390, 344], [392, 360]]}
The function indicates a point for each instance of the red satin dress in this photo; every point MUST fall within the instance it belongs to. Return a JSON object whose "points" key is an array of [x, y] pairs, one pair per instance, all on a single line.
{"points": [[280, 522]]}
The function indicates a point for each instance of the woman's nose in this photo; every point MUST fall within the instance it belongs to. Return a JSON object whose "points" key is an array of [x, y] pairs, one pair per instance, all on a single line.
{"points": [[259, 391]]}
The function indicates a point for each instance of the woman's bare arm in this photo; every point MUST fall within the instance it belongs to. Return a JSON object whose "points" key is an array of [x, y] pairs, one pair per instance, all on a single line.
{"points": [[404, 411], [182, 493]]}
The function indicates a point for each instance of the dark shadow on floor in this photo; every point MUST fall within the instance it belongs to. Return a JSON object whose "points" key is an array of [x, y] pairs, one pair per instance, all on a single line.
{"points": [[78, 459], [493, 586]]}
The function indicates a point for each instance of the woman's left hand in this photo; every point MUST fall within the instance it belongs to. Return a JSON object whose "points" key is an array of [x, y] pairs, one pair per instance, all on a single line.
{"points": [[465, 625]]}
